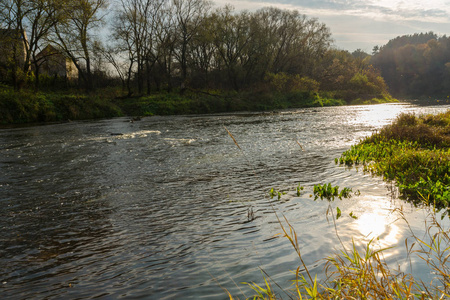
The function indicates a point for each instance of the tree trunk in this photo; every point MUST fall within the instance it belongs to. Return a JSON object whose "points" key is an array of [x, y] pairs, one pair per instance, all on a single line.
{"points": [[148, 77]]}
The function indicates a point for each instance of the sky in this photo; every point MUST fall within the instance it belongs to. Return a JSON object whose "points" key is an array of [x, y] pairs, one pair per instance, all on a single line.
{"points": [[358, 24]]}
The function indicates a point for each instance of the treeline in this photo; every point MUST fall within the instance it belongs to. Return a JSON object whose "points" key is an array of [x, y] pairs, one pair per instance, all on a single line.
{"points": [[415, 65], [201, 48], [184, 45], [187, 44]]}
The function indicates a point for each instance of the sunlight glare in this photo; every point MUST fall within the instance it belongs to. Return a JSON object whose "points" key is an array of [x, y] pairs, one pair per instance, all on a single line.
{"points": [[371, 225], [375, 225], [376, 115]]}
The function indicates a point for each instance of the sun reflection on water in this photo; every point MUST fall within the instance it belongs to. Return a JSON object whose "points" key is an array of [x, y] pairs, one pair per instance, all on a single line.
{"points": [[374, 225], [371, 225], [380, 115], [379, 222]]}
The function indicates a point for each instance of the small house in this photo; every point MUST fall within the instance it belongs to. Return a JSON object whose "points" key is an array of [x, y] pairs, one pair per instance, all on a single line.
{"points": [[55, 63]]}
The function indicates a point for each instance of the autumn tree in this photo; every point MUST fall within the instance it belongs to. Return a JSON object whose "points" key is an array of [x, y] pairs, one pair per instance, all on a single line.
{"points": [[415, 65]]}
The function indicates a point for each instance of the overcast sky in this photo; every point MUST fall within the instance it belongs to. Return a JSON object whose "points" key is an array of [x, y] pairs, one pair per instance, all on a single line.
{"points": [[358, 24]]}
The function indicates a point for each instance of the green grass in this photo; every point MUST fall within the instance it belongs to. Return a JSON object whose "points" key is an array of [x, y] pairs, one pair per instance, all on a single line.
{"points": [[27, 106], [379, 100], [414, 153], [173, 104]]}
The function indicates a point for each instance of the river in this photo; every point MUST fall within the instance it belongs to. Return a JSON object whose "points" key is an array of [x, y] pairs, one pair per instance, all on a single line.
{"points": [[173, 208]]}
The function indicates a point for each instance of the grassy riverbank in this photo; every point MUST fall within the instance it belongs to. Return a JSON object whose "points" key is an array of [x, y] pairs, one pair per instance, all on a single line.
{"points": [[414, 152], [28, 106]]}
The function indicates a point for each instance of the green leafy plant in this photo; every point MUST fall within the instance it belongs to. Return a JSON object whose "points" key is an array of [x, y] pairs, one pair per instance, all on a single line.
{"points": [[338, 213], [329, 192], [352, 215], [273, 193], [299, 190]]}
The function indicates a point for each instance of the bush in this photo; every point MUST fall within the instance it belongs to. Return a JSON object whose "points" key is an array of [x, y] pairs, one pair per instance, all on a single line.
{"points": [[285, 83]]}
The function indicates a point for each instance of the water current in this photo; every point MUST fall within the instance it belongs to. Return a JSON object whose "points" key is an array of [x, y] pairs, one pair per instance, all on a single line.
{"points": [[173, 208]]}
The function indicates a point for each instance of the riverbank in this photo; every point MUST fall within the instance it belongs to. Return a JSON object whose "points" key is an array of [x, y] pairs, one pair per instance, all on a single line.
{"points": [[28, 106], [414, 152]]}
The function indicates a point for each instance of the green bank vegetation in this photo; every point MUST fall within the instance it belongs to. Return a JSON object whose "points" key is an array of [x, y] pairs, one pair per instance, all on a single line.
{"points": [[28, 106], [413, 152]]}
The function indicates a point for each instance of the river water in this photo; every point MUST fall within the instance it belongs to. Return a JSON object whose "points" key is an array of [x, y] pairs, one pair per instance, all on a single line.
{"points": [[172, 208]]}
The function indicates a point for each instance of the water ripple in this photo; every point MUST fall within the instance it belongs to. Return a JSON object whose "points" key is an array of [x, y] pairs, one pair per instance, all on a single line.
{"points": [[169, 207]]}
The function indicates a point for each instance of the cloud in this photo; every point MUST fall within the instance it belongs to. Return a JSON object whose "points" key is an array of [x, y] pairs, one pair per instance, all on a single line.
{"points": [[437, 11], [364, 24]]}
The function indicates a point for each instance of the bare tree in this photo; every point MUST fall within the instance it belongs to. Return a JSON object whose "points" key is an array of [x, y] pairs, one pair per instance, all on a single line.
{"points": [[136, 32], [74, 34], [189, 15], [113, 56], [43, 16]]}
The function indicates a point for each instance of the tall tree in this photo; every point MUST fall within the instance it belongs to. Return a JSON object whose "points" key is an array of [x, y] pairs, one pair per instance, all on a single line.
{"points": [[189, 16], [137, 31], [15, 47], [75, 36]]}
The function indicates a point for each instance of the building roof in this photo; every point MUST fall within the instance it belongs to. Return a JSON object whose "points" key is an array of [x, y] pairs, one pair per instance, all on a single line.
{"points": [[51, 50]]}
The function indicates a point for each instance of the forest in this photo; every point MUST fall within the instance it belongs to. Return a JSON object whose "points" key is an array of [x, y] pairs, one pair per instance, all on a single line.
{"points": [[415, 65], [272, 58]]}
